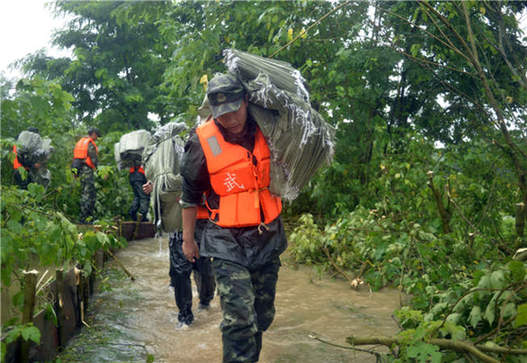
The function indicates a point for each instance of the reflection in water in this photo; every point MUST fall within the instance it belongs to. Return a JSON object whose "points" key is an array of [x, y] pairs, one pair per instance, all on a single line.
{"points": [[138, 319]]}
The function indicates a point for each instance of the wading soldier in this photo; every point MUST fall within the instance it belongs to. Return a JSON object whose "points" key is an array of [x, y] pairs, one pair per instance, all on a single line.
{"points": [[181, 268], [229, 156]]}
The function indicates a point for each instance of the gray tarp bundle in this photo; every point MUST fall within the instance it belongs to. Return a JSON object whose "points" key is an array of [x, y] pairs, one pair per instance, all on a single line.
{"points": [[129, 149], [299, 139], [32, 149], [161, 160]]}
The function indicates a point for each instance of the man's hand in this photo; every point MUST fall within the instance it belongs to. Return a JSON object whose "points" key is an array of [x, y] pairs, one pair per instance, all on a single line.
{"points": [[148, 187], [190, 250]]}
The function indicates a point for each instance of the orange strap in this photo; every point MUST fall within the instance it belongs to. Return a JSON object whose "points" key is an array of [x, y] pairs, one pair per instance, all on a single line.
{"points": [[17, 164], [139, 169]]}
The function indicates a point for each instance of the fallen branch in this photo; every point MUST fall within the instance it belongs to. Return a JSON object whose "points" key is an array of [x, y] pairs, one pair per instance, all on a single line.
{"points": [[337, 267], [458, 346], [377, 354], [121, 265]]}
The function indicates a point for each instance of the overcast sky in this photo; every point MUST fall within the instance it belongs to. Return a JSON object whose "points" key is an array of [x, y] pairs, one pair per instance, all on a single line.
{"points": [[25, 27]]}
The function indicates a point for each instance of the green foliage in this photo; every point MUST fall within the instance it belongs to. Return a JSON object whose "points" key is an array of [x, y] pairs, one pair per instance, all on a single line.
{"points": [[26, 332], [34, 236], [34, 102]]}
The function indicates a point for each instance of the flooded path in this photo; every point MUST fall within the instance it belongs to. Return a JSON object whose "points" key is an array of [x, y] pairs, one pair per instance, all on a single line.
{"points": [[135, 321]]}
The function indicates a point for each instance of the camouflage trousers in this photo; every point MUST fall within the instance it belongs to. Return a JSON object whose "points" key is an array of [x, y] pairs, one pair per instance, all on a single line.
{"points": [[247, 300], [88, 194], [140, 203]]}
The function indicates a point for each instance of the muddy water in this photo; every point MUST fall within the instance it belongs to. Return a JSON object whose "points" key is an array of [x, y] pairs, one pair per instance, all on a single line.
{"points": [[135, 321]]}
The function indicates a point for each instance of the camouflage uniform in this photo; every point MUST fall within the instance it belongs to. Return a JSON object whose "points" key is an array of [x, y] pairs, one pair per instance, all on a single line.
{"points": [[180, 269], [87, 180], [245, 260], [88, 193], [247, 301]]}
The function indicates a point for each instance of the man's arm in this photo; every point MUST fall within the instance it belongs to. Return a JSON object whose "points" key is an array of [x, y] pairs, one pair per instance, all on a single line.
{"points": [[195, 181], [189, 246], [92, 153]]}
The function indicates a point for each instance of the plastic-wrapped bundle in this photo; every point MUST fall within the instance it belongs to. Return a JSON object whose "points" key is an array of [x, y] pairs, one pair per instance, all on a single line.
{"points": [[299, 139], [161, 160], [248, 66], [128, 152], [33, 148]]}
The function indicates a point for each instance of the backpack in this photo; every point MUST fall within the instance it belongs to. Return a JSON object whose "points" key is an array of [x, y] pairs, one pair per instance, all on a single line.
{"points": [[161, 160]]}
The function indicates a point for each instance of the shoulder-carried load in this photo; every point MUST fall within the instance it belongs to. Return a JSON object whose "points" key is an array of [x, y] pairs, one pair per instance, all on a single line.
{"points": [[32, 148], [299, 139], [161, 159], [129, 150]]}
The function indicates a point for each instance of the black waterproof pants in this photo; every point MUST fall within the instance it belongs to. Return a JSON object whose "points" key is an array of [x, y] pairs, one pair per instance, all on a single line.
{"points": [[180, 269], [141, 201]]}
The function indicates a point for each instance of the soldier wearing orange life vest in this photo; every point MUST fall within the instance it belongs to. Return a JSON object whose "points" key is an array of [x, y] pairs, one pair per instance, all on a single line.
{"points": [[83, 167], [229, 156]]}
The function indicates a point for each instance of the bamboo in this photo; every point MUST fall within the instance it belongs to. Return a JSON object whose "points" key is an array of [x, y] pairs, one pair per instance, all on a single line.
{"points": [[59, 304], [30, 283], [121, 265]]}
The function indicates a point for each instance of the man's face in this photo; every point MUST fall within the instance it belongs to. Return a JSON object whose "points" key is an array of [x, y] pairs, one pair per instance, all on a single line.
{"points": [[234, 122], [93, 136]]}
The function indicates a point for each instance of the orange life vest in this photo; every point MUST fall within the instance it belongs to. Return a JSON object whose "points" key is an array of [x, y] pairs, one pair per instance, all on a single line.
{"points": [[243, 187], [139, 169], [203, 213], [17, 164], [81, 151]]}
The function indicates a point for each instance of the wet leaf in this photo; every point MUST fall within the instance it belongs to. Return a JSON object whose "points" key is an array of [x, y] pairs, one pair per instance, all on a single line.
{"points": [[424, 352], [521, 318], [497, 280], [518, 270], [31, 333], [475, 316], [490, 315]]}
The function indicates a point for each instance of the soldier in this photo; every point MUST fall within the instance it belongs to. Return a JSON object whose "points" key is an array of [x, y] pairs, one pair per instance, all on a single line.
{"points": [[141, 199], [32, 161], [181, 268], [229, 156], [83, 166]]}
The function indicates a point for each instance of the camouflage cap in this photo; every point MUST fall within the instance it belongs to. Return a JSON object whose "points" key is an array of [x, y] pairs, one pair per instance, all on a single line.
{"points": [[225, 93]]}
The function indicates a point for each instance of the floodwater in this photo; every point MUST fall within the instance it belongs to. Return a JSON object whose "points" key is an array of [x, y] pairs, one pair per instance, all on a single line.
{"points": [[135, 321]]}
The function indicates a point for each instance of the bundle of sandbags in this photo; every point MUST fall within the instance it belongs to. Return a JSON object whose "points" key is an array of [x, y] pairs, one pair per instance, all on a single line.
{"points": [[161, 160], [129, 150], [299, 139]]}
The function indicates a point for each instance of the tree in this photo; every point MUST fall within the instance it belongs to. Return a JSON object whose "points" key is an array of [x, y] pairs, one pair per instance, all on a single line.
{"points": [[119, 59]]}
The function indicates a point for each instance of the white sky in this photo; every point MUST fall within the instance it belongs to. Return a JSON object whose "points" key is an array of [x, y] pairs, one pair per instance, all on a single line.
{"points": [[25, 27]]}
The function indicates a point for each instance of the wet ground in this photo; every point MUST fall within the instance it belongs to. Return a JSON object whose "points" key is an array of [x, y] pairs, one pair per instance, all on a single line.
{"points": [[135, 321]]}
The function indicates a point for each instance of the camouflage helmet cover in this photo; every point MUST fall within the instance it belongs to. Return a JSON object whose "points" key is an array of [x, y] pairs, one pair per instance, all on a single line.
{"points": [[225, 93]]}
